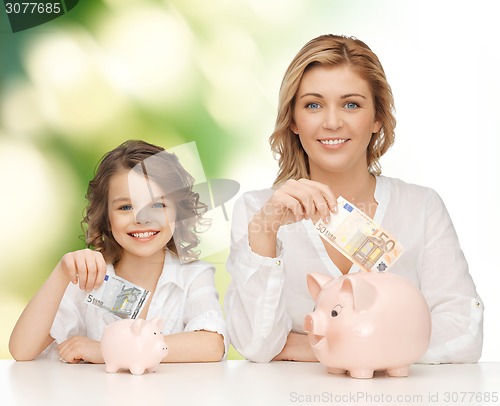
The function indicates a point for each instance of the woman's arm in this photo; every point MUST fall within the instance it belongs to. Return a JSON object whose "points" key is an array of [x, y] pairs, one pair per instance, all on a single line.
{"points": [[294, 201], [297, 348], [258, 323], [31, 334], [456, 308], [255, 310]]}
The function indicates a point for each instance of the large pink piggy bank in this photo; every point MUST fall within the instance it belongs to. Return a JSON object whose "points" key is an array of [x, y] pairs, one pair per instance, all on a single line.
{"points": [[367, 322], [136, 345]]}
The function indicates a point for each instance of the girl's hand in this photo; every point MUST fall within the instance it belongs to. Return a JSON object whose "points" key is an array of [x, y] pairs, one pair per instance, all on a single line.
{"points": [[78, 348], [294, 201], [85, 267]]}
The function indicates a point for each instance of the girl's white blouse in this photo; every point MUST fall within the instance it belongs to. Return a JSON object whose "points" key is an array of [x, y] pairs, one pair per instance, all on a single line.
{"points": [[185, 298], [268, 297]]}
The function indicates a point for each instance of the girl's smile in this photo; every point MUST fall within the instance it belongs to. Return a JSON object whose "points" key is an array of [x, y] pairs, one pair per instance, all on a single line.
{"points": [[143, 235]]}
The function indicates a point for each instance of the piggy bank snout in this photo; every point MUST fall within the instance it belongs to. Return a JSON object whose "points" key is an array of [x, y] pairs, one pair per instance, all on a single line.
{"points": [[314, 327], [158, 344], [309, 323], [162, 347], [314, 324]]}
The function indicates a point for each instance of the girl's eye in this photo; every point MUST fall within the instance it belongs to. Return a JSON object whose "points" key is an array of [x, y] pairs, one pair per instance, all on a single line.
{"points": [[126, 207], [313, 106], [351, 105], [158, 205]]}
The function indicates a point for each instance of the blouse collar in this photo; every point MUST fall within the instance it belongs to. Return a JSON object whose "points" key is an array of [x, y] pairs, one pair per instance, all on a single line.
{"points": [[382, 195]]}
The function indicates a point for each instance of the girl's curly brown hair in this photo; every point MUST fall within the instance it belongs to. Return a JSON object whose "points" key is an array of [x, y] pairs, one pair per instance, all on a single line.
{"points": [[163, 168]]}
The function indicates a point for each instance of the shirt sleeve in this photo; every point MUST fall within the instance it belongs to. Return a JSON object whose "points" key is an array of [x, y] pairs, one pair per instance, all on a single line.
{"points": [[258, 323], [202, 308], [68, 321], [456, 308]]}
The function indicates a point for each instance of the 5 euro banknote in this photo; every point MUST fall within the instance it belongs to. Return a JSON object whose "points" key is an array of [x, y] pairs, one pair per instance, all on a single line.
{"points": [[359, 238], [118, 296]]}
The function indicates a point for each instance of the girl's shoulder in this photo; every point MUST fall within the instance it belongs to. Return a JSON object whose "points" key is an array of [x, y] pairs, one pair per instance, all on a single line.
{"points": [[183, 272]]}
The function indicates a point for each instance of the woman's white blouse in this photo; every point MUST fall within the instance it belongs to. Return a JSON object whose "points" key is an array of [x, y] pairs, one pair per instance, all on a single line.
{"points": [[268, 297], [185, 298]]}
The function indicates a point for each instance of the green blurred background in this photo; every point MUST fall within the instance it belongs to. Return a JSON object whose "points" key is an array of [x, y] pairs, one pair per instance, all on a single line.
{"points": [[176, 71]]}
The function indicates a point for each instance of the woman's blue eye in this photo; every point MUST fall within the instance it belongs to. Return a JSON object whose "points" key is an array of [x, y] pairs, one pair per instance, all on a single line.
{"points": [[126, 207], [351, 105], [313, 106], [158, 205]]}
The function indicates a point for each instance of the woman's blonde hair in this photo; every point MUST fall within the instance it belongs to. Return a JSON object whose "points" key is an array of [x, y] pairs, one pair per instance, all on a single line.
{"points": [[331, 50], [156, 164]]}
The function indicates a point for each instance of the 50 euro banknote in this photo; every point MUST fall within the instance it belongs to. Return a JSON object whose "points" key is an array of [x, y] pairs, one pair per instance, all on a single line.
{"points": [[359, 238]]}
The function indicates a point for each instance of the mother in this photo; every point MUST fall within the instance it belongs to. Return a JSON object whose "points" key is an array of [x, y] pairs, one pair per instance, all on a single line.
{"points": [[335, 120]]}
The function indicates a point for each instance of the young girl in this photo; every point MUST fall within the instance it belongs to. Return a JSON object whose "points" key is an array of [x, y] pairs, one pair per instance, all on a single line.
{"points": [[141, 220], [334, 123]]}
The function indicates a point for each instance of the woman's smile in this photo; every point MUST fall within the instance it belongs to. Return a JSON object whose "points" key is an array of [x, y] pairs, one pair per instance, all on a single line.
{"points": [[334, 143]]}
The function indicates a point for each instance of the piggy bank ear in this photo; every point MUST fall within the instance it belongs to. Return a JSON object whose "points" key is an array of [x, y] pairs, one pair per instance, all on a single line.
{"points": [[316, 281], [157, 322], [137, 326], [363, 292]]}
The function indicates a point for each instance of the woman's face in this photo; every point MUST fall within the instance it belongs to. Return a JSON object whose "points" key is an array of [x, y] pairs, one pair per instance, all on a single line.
{"points": [[334, 117]]}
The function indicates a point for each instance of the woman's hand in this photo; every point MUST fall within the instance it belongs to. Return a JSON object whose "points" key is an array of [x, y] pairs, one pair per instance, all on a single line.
{"points": [[297, 348], [297, 200], [78, 348], [85, 267], [294, 201]]}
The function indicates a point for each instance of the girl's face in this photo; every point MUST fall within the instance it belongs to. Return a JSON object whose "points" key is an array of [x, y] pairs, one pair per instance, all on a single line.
{"points": [[334, 116], [142, 219]]}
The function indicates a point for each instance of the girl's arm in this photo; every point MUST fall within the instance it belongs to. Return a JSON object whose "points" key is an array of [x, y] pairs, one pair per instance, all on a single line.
{"points": [[31, 334], [194, 346], [78, 348]]}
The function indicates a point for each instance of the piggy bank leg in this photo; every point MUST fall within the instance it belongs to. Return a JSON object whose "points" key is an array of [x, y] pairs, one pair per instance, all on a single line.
{"points": [[401, 371], [361, 373], [336, 371], [152, 369], [111, 368], [137, 370]]}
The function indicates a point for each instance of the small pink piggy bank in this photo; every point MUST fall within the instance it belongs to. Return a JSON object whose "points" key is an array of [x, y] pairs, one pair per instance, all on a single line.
{"points": [[367, 322], [133, 344]]}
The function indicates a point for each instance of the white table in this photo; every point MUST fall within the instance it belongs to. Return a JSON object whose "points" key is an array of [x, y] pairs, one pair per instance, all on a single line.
{"points": [[237, 383]]}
